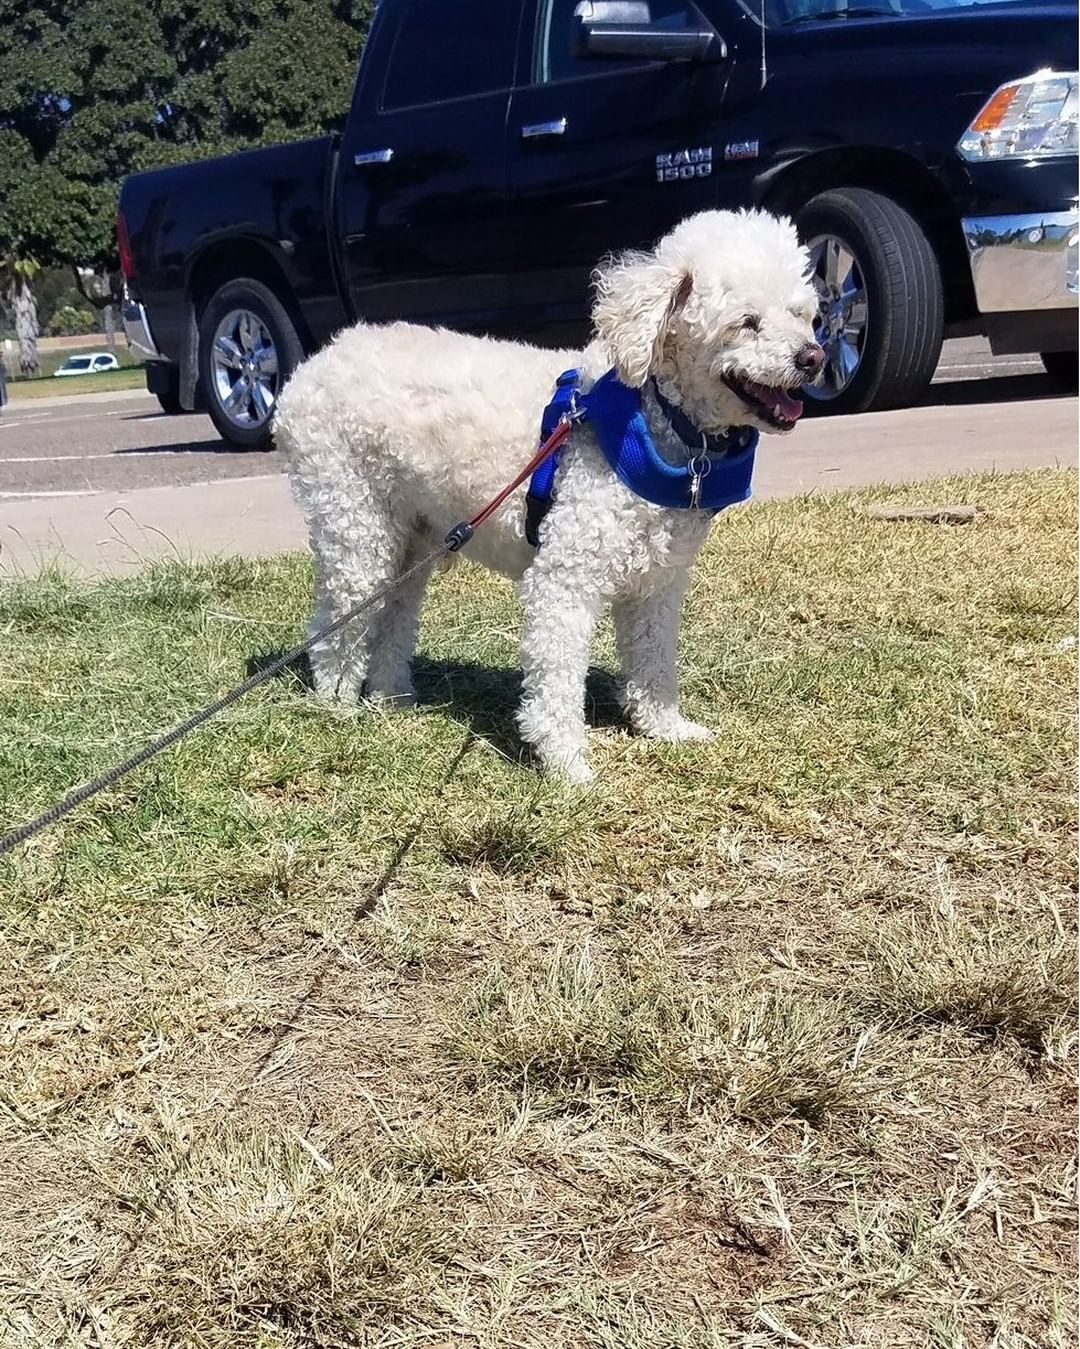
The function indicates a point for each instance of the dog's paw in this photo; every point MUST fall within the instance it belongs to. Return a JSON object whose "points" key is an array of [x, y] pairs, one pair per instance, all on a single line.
{"points": [[379, 701], [573, 770], [682, 730], [578, 773], [337, 695]]}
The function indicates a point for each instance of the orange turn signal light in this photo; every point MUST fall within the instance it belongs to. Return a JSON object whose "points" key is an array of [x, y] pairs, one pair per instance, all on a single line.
{"points": [[993, 114]]}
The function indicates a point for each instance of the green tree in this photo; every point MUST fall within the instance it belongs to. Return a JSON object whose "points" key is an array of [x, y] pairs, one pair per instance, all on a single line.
{"points": [[94, 91], [55, 289], [69, 321]]}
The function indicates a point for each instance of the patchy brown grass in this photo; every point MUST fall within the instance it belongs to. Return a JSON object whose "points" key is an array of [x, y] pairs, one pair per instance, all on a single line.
{"points": [[334, 1031], [569, 1026]]}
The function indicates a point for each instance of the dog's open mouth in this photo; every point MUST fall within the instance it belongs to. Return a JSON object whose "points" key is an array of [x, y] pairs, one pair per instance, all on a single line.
{"points": [[773, 405]]}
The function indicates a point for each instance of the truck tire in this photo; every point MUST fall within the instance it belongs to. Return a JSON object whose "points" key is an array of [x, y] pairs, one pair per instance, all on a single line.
{"points": [[882, 309], [248, 347], [1063, 367]]}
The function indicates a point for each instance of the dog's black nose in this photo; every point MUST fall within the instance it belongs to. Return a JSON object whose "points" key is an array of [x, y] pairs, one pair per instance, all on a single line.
{"points": [[811, 358]]}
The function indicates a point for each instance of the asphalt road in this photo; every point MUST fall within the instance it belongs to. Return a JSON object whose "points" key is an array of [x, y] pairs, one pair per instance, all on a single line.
{"points": [[121, 442], [112, 443]]}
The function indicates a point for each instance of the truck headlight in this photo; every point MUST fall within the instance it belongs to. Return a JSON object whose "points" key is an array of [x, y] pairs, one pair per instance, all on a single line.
{"points": [[1035, 118]]}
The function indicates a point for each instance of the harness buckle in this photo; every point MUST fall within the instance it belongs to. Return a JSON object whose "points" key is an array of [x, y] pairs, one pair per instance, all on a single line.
{"points": [[575, 412]]}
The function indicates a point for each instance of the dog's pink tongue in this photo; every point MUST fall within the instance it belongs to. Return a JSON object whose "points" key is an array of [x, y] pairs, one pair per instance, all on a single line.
{"points": [[779, 400]]}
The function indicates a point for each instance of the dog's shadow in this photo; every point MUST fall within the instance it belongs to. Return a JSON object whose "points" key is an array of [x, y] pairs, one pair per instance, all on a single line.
{"points": [[480, 697], [485, 698]]}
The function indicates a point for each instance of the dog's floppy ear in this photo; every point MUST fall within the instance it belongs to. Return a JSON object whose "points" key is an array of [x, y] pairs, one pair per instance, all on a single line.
{"points": [[637, 296]]}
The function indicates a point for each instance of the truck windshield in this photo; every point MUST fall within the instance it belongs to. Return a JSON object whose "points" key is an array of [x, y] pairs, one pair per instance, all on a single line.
{"points": [[809, 11]]}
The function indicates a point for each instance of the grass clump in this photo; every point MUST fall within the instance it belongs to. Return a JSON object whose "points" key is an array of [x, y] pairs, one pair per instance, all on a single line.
{"points": [[409, 938], [769, 1055], [179, 587], [574, 1025], [267, 1236], [994, 980], [604, 1319], [519, 837], [431, 1157], [565, 1022], [53, 601]]}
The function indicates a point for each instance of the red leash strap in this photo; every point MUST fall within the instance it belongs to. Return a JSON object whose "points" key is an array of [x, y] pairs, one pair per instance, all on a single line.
{"points": [[461, 534]]}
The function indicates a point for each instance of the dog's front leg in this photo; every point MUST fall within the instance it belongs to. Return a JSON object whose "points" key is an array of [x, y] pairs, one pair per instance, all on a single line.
{"points": [[646, 629], [555, 643]]}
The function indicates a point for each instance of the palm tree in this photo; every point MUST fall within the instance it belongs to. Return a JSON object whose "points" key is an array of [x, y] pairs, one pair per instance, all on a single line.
{"points": [[18, 273]]}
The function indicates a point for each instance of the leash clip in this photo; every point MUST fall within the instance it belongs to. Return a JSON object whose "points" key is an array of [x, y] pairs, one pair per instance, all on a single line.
{"points": [[459, 536]]}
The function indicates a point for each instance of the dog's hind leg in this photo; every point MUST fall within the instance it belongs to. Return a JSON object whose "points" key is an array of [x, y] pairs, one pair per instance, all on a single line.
{"points": [[393, 644], [358, 549], [646, 630]]}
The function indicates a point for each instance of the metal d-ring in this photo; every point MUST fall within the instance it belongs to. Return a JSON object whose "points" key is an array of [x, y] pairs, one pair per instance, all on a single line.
{"points": [[701, 464], [699, 468]]}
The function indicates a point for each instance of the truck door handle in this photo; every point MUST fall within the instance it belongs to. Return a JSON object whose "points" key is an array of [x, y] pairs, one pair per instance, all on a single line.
{"points": [[537, 129], [373, 157]]}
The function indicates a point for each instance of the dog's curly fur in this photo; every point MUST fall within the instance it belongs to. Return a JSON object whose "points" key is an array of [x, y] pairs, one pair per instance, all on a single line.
{"points": [[395, 433]]}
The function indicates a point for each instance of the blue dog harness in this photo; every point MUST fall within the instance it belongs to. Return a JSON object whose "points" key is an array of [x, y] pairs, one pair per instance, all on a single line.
{"points": [[717, 472]]}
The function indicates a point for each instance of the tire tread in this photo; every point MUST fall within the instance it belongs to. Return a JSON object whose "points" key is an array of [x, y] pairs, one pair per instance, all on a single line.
{"points": [[902, 365]]}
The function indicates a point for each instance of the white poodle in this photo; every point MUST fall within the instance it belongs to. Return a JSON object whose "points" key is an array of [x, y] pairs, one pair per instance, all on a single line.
{"points": [[396, 433]]}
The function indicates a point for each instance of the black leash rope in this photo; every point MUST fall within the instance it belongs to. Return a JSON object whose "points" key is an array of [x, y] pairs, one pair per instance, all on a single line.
{"points": [[451, 544], [456, 539]]}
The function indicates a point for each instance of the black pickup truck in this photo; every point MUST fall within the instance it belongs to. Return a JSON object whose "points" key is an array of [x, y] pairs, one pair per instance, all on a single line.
{"points": [[496, 149]]}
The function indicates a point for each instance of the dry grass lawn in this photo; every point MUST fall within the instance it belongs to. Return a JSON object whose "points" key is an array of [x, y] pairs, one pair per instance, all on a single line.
{"points": [[333, 1030]]}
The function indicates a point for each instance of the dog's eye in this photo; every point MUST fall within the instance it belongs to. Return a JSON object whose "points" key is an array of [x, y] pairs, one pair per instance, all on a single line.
{"points": [[751, 323]]}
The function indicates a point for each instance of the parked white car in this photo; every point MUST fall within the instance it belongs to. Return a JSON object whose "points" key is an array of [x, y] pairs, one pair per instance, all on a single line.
{"points": [[88, 363]]}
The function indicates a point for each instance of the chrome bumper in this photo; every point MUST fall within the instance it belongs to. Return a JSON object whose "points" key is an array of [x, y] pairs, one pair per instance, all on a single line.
{"points": [[137, 327], [1023, 262]]}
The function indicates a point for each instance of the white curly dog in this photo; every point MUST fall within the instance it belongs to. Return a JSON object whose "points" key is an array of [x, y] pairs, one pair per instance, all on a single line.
{"points": [[394, 433]]}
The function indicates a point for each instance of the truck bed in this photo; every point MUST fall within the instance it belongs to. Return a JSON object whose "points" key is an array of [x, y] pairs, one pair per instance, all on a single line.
{"points": [[243, 213]]}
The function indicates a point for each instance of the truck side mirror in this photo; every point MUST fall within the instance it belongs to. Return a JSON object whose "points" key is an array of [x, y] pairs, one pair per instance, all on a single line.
{"points": [[629, 28]]}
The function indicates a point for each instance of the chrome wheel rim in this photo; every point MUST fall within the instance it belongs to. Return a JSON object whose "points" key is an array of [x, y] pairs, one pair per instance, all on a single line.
{"points": [[245, 368], [843, 314]]}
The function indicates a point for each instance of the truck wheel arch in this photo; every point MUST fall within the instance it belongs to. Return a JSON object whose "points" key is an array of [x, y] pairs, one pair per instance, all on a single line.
{"points": [[212, 268], [786, 190]]}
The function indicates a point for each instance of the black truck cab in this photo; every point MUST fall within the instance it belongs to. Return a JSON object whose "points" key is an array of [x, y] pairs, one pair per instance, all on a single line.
{"points": [[494, 152]]}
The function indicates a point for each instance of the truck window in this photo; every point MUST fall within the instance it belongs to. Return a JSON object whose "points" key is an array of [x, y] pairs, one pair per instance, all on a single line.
{"points": [[555, 59], [444, 51]]}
